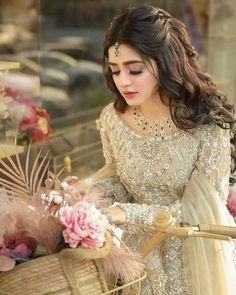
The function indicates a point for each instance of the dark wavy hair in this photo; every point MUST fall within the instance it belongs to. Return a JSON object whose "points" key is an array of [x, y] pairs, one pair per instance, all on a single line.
{"points": [[192, 95]]}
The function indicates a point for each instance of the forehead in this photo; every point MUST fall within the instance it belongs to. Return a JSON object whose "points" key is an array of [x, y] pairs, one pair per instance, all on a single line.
{"points": [[126, 53]]}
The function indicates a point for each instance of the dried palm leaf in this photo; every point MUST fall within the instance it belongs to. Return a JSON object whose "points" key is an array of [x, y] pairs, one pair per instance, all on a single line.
{"points": [[24, 183]]}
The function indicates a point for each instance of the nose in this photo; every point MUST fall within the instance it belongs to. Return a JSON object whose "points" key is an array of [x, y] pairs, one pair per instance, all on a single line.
{"points": [[125, 79]]}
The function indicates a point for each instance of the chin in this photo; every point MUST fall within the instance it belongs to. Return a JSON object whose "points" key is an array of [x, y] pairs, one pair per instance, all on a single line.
{"points": [[133, 103]]}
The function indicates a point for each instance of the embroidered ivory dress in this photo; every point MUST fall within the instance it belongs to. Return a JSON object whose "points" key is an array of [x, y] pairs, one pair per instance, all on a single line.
{"points": [[183, 172]]}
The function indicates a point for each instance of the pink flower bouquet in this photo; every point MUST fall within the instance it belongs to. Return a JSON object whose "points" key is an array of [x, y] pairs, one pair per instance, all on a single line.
{"points": [[38, 220]]}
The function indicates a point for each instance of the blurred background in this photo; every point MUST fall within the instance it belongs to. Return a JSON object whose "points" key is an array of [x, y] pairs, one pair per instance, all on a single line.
{"points": [[58, 44]]}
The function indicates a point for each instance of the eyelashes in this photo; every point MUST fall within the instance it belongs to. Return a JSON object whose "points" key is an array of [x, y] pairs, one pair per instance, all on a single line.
{"points": [[131, 73]]}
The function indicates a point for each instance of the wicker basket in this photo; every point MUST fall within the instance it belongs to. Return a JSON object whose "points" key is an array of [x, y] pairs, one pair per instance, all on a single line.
{"points": [[70, 272]]}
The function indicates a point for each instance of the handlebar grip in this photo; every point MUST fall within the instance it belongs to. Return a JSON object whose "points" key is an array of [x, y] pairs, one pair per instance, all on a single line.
{"points": [[219, 229]]}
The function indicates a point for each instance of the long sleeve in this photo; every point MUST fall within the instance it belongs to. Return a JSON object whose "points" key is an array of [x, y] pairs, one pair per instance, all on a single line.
{"points": [[214, 158], [106, 178]]}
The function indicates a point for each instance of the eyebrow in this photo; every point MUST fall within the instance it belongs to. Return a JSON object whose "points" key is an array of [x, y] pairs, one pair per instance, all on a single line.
{"points": [[130, 62]]}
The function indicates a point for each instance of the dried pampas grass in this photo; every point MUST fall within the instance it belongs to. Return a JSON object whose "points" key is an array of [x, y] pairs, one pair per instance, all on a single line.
{"points": [[122, 263], [32, 225]]}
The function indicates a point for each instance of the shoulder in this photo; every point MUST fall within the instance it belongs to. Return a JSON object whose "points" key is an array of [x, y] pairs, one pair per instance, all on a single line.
{"points": [[213, 134], [107, 110], [106, 116], [213, 129]]}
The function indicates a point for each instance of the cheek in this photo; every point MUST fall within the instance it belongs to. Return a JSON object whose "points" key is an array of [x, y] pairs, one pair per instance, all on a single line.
{"points": [[148, 80]]}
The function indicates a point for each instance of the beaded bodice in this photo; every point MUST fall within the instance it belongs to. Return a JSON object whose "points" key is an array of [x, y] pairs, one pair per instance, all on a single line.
{"points": [[156, 169]]}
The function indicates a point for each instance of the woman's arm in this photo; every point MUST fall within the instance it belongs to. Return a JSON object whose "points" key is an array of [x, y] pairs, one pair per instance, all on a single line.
{"points": [[215, 158], [106, 178]]}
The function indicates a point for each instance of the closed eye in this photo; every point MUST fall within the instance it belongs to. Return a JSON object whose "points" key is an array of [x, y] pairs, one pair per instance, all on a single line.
{"points": [[135, 72], [115, 73], [131, 72]]}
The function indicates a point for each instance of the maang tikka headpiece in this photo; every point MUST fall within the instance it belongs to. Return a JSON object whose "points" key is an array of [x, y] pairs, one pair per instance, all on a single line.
{"points": [[117, 49]]}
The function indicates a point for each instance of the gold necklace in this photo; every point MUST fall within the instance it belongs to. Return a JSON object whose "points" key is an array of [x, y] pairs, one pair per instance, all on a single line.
{"points": [[154, 127]]}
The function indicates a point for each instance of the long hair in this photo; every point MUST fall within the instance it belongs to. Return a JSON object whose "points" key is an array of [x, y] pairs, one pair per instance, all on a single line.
{"points": [[192, 94]]}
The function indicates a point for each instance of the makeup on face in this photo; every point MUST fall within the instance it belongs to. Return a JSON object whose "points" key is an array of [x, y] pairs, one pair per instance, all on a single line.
{"points": [[134, 78], [134, 67]]}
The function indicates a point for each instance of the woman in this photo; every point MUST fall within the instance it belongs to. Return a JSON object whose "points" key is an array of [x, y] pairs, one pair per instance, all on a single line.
{"points": [[166, 141]]}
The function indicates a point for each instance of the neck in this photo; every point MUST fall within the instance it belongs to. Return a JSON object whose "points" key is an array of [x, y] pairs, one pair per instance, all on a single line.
{"points": [[155, 109]]}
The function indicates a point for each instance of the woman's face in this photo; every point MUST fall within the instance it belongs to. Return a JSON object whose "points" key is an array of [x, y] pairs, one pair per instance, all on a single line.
{"points": [[135, 79]]}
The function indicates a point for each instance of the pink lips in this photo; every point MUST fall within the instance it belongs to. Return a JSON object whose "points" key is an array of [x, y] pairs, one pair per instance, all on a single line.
{"points": [[129, 95]]}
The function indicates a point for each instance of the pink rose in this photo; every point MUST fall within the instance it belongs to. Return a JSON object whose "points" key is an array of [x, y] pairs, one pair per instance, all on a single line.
{"points": [[26, 100], [90, 243], [70, 238], [4, 251], [29, 120], [85, 225], [231, 205], [41, 130], [66, 216], [22, 249], [13, 247]]}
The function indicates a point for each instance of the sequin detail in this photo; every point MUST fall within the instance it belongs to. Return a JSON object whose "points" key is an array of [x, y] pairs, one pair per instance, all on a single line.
{"points": [[153, 127]]}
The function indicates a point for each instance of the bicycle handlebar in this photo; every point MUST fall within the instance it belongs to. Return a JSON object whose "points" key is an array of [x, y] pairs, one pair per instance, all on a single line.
{"points": [[165, 225]]}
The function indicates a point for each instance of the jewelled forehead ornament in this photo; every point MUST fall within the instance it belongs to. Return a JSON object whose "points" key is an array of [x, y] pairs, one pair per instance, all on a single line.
{"points": [[117, 49]]}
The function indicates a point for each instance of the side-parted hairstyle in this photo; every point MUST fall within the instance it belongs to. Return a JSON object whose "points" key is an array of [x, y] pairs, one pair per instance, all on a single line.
{"points": [[193, 97]]}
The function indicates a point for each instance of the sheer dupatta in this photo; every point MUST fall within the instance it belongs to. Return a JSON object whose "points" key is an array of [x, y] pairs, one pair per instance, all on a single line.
{"points": [[209, 264]]}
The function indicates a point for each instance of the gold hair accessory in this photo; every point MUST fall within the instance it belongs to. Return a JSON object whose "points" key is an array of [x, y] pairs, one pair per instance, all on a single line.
{"points": [[117, 49]]}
